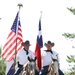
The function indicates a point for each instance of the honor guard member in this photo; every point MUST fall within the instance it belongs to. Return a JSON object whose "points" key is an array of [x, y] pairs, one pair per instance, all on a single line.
{"points": [[22, 56], [47, 57], [54, 57]]}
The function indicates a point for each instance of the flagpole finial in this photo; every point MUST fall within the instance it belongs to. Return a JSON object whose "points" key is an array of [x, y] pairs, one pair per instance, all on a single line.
{"points": [[20, 5], [40, 14]]}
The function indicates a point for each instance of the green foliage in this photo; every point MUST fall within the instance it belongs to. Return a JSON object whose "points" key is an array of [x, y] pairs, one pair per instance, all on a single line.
{"points": [[2, 64], [2, 72], [72, 10], [71, 59], [69, 35], [66, 73], [0, 52]]}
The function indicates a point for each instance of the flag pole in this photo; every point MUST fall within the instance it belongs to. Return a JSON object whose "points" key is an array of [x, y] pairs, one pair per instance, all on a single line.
{"points": [[40, 15], [19, 5], [40, 20]]}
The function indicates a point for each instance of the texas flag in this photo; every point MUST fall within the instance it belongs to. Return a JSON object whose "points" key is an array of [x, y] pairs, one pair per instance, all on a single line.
{"points": [[39, 45]]}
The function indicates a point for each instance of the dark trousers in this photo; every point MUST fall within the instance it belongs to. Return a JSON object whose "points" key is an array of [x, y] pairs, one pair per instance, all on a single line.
{"points": [[44, 70], [19, 70], [60, 72], [36, 72]]}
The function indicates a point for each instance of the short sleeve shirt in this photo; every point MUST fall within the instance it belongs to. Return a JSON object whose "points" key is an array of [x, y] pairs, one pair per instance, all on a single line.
{"points": [[22, 57], [46, 58]]}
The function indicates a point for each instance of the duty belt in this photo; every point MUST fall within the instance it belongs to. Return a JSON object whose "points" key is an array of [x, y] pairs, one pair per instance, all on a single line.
{"points": [[54, 60]]}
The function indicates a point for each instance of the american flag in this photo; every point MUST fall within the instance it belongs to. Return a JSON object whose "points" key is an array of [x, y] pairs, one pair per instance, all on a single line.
{"points": [[13, 41], [39, 45]]}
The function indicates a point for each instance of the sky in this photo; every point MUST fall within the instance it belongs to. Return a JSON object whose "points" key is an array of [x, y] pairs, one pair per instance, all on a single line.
{"points": [[56, 19]]}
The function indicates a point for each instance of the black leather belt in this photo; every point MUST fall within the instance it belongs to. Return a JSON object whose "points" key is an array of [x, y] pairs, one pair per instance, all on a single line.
{"points": [[45, 66], [54, 60], [20, 65]]}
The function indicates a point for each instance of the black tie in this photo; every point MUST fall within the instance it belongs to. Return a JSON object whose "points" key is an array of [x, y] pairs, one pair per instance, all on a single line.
{"points": [[26, 51], [49, 51]]}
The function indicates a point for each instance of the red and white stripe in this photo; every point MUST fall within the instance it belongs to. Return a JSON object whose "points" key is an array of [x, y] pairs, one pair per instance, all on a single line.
{"points": [[10, 45]]}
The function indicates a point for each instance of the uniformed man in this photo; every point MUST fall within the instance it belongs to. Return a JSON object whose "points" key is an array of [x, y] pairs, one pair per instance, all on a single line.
{"points": [[22, 55], [47, 57]]}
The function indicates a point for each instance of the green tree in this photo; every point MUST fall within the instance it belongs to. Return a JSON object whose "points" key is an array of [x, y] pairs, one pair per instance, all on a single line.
{"points": [[2, 72], [2, 64], [69, 35], [72, 10], [71, 58]]}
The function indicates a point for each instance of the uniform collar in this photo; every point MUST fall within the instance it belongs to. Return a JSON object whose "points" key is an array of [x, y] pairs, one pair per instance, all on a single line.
{"points": [[49, 51], [26, 51]]}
